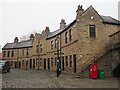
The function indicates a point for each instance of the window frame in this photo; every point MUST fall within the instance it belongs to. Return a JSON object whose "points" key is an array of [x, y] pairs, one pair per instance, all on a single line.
{"points": [[4, 53], [27, 52], [70, 35], [41, 48], [92, 31], [23, 52], [37, 49], [70, 60], [55, 43], [12, 53], [8, 53], [66, 37], [52, 45]]}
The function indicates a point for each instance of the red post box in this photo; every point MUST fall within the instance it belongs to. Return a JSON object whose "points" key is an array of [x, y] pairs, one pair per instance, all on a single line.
{"points": [[94, 70]]}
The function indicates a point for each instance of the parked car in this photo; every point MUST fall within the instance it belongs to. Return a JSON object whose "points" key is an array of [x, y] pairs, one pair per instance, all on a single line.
{"points": [[4, 66]]}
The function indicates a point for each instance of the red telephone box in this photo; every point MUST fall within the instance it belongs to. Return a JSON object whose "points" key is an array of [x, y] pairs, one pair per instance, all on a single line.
{"points": [[94, 70]]}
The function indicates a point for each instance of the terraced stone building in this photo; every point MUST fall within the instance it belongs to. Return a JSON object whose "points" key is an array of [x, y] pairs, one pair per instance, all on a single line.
{"points": [[74, 46]]}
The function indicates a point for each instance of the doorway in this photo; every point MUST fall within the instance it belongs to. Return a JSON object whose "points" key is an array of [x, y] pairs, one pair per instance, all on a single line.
{"points": [[19, 64], [33, 63], [48, 63], [44, 63], [63, 68], [30, 63], [74, 59], [15, 64]]}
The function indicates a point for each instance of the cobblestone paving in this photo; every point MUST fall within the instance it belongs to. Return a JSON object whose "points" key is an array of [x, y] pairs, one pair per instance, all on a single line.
{"points": [[18, 78]]}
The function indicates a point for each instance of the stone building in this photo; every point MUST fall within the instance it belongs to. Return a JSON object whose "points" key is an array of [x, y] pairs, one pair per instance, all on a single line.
{"points": [[18, 53], [75, 45]]}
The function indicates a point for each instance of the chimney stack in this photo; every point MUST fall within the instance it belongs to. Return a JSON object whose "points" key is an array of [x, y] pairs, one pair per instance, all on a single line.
{"points": [[79, 11], [31, 36], [47, 30], [62, 24], [16, 40]]}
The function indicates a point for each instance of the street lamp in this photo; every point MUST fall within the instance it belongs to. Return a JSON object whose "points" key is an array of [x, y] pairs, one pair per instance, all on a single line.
{"points": [[58, 58]]}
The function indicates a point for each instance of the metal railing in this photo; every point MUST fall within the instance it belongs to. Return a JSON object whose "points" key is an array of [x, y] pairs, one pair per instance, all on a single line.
{"points": [[98, 55], [95, 58]]}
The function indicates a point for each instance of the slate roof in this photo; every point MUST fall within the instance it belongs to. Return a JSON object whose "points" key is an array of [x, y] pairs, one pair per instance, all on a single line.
{"points": [[110, 20], [106, 19], [56, 32], [23, 44]]}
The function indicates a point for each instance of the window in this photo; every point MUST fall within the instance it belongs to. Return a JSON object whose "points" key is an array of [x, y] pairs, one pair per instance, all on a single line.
{"points": [[40, 48], [55, 43], [23, 52], [66, 37], [4, 53], [92, 31], [12, 54], [27, 52], [8, 54], [40, 61], [36, 61], [66, 61], [70, 60], [51, 44], [70, 35], [37, 47]]}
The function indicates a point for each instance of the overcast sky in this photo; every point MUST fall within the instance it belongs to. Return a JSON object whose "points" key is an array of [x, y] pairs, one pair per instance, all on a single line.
{"points": [[21, 17]]}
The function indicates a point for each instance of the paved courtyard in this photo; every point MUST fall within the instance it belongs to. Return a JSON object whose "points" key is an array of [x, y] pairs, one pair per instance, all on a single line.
{"points": [[19, 78]]}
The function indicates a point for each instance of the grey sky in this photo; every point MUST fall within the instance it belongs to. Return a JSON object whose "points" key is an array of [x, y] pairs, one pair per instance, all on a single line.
{"points": [[21, 17]]}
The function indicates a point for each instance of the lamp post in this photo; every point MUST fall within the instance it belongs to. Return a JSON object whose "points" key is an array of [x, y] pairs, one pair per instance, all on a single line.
{"points": [[58, 58]]}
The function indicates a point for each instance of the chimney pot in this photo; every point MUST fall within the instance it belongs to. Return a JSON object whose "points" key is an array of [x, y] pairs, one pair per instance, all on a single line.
{"points": [[16, 40], [47, 30], [79, 11], [31, 36]]}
